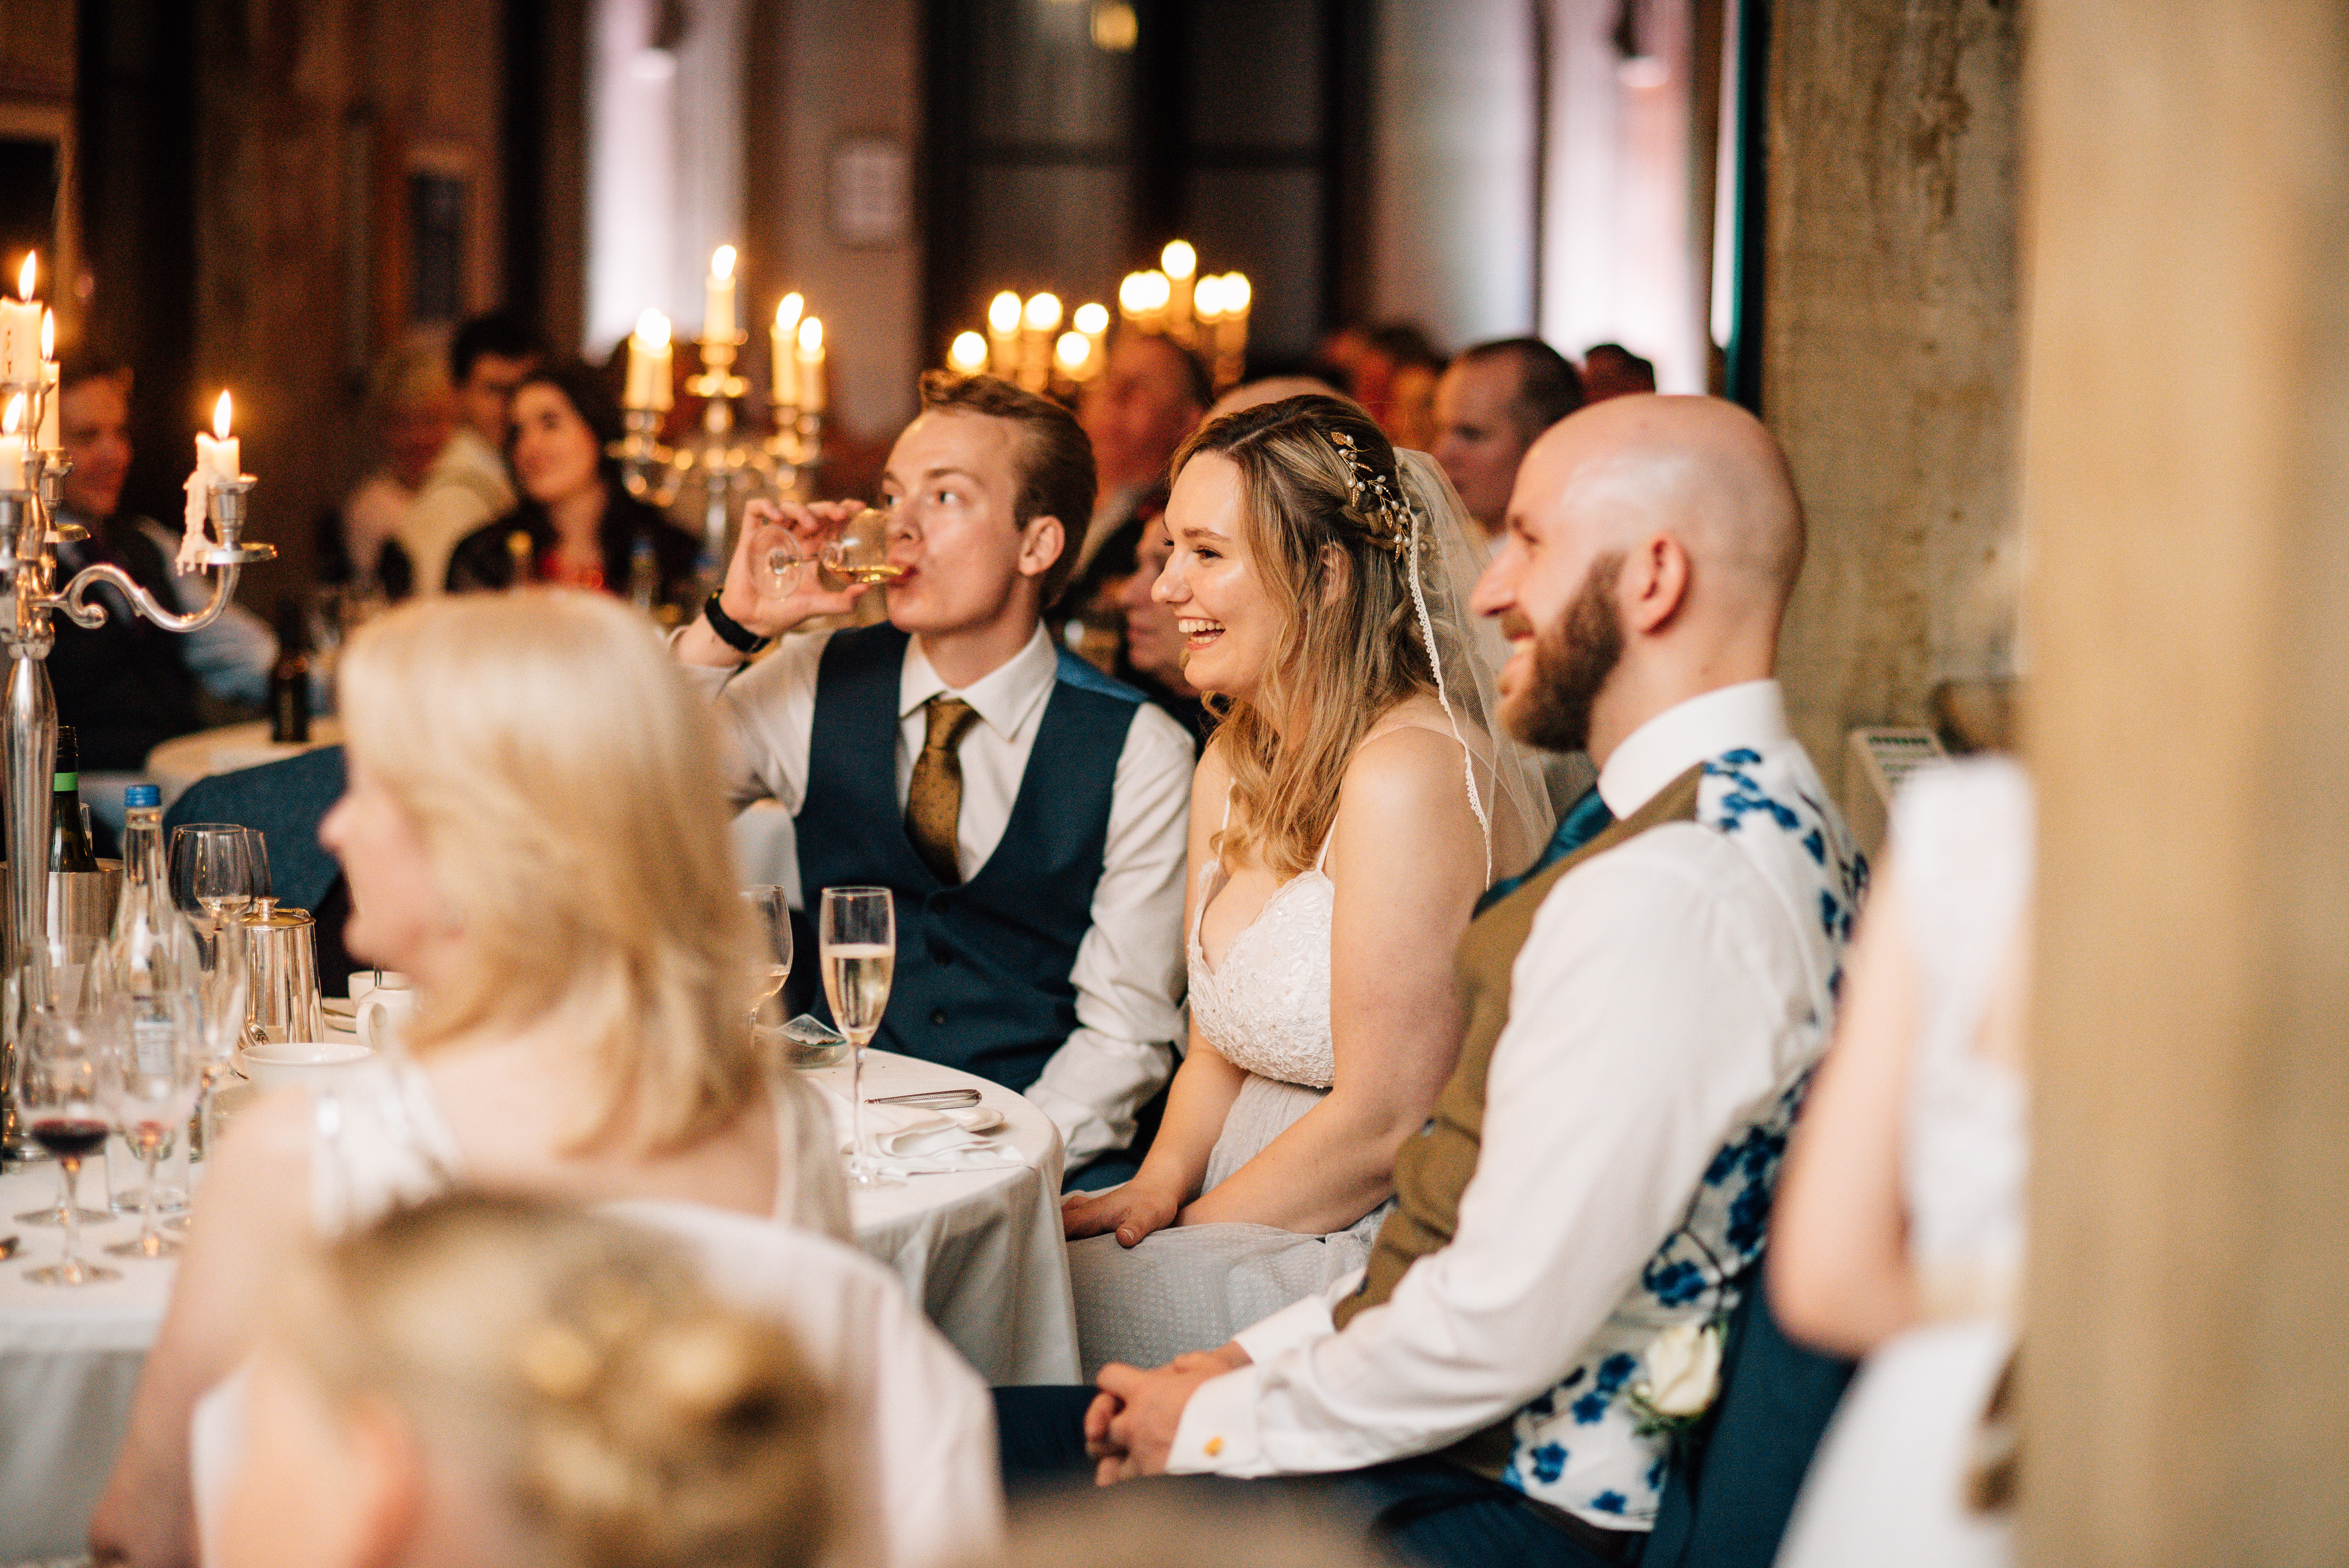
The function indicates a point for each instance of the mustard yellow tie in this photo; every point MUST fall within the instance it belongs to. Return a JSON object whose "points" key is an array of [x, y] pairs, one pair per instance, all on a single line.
{"points": [[934, 802]]}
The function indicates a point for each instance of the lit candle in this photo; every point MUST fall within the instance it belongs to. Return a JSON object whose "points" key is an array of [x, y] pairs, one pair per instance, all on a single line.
{"points": [[718, 301], [1042, 319], [968, 354], [1233, 336], [1181, 264], [1092, 320], [1003, 334], [648, 364], [811, 358], [12, 444], [781, 339], [1207, 299], [48, 437], [1073, 353], [1133, 297], [216, 454], [20, 330], [1155, 292]]}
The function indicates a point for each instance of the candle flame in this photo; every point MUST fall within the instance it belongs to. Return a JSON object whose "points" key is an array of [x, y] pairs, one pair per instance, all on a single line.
{"points": [[1134, 294], [1236, 293], [1207, 299], [968, 354], [221, 411], [1158, 291], [788, 311], [1073, 349], [1092, 319], [48, 334], [721, 263], [1045, 312], [652, 330], [1179, 258], [1003, 314], [812, 336], [14, 416], [26, 274]]}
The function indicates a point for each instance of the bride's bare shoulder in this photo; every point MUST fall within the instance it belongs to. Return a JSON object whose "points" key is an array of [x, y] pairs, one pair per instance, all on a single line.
{"points": [[1405, 766]]}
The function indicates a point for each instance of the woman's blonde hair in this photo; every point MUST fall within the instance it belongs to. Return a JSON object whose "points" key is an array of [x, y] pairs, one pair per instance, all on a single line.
{"points": [[1330, 550], [564, 781], [618, 1411]]}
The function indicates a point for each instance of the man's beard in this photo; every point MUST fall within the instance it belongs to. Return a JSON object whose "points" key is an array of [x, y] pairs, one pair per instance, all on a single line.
{"points": [[1572, 659]]}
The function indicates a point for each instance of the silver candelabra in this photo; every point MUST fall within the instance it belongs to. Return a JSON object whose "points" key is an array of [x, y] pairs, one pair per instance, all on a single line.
{"points": [[30, 531], [726, 462]]}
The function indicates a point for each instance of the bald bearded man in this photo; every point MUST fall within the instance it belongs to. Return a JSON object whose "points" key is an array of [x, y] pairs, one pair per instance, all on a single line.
{"points": [[1645, 1006]]}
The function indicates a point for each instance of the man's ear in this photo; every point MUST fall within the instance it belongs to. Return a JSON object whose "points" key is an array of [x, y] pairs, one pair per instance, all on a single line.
{"points": [[1040, 544], [1654, 585]]}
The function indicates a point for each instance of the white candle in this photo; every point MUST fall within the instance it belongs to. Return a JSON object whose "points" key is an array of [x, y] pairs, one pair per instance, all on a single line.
{"points": [[968, 354], [20, 331], [811, 358], [1092, 320], [217, 459], [718, 301], [1181, 264], [648, 364], [12, 444], [1237, 297], [1073, 353], [1003, 334], [48, 436], [784, 342]]}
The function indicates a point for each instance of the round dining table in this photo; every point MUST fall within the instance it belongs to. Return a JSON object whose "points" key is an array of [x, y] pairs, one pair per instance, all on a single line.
{"points": [[979, 1248], [182, 760]]}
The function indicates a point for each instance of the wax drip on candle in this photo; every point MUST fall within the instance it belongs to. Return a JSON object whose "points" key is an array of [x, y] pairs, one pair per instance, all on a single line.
{"points": [[216, 462]]}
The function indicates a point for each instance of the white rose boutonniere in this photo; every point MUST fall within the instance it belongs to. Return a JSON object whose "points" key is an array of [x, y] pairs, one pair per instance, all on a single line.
{"points": [[1679, 1378]]}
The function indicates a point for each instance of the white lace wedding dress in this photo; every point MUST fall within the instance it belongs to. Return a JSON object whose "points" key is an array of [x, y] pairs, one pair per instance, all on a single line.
{"points": [[1265, 1009]]}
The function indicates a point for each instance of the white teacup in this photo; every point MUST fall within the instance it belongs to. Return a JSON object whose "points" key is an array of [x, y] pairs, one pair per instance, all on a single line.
{"points": [[366, 980], [284, 1062], [382, 1016]]}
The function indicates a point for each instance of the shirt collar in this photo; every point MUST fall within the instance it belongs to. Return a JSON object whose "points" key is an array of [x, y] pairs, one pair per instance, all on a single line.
{"points": [[1752, 713], [1004, 698]]}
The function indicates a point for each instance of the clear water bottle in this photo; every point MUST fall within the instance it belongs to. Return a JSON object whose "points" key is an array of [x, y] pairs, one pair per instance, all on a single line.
{"points": [[152, 963]]}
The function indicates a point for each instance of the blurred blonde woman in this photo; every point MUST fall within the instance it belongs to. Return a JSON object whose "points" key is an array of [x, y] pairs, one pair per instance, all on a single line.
{"points": [[532, 832], [495, 1382]]}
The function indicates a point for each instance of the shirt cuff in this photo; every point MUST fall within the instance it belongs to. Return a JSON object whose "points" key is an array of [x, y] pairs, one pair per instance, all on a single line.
{"points": [[1218, 1433], [1297, 1324], [1083, 1131]]}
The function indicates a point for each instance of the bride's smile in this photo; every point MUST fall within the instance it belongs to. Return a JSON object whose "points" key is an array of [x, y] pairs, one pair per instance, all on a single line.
{"points": [[1229, 621]]}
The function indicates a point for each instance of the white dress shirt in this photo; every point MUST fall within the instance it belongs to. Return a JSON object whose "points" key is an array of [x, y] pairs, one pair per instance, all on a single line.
{"points": [[466, 487], [1129, 974], [1670, 993]]}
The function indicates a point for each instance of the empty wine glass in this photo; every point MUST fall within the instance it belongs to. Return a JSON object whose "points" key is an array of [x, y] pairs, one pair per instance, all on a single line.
{"points": [[859, 553], [211, 872], [780, 561], [256, 851], [150, 1073], [770, 922], [56, 1097], [858, 936]]}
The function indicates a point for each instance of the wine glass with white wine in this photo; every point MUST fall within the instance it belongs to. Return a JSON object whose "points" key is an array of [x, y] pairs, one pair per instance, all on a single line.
{"points": [[859, 553], [858, 938]]}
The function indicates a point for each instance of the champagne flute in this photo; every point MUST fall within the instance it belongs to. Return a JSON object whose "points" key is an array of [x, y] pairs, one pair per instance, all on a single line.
{"points": [[859, 553], [150, 1074], [57, 1091], [771, 923], [858, 936]]}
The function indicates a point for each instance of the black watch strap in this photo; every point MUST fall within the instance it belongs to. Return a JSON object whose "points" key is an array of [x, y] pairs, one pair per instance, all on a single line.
{"points": [[731, 632]]}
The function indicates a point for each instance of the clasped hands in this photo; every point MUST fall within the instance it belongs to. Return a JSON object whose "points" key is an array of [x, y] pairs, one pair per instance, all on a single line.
{"points": [[1130, 1427]]}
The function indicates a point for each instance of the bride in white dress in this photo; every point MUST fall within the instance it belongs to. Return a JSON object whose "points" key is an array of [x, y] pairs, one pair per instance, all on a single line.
{"points": [[1348, 813]]}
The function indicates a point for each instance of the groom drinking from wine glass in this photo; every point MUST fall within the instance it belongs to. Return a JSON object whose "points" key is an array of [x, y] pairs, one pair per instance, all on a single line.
{"points": [[1028, 813]]}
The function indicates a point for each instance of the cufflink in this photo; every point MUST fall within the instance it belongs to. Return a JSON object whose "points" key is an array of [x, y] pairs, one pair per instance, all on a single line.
{"points": [[1213, 1446]]}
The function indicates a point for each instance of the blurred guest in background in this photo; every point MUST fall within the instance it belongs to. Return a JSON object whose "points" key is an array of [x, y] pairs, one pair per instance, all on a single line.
{"points": [[1151, 393], [414, 411], [1153, 640], [1410, 416], [1271, 389], [1611, 370], [502, 1383], [531, 832], [468, 483], [128, 685], [1026, 811], [1492, 400], [577, 525]]}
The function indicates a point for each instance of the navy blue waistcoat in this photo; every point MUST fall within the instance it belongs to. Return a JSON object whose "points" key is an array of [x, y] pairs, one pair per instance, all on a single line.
{"points": [[982, 979]]}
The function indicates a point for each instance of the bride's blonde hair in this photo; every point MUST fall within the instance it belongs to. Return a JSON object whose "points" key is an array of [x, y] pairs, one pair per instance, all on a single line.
{"points": [[564, 782], [1327, 537]]}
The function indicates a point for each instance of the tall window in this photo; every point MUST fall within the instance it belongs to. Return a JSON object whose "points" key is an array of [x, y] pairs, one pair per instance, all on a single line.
{"points": [[1071, 139]]}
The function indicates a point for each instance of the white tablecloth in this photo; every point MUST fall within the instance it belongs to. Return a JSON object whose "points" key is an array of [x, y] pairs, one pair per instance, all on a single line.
{"points": [[979, 1250]]}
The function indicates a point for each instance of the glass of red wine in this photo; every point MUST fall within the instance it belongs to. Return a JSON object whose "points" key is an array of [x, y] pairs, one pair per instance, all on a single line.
{"points": [[57, 1099]]}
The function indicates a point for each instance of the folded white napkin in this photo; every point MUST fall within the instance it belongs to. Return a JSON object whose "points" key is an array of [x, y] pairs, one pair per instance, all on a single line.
{"points": [[953, 1136]]}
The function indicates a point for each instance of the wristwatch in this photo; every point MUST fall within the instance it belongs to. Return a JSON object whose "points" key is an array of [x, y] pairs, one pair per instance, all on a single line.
{"points": [[731, 632]]}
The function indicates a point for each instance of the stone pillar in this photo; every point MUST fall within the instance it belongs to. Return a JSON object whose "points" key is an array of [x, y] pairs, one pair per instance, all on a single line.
{"points": [[1888, 366], [2187, 486]]}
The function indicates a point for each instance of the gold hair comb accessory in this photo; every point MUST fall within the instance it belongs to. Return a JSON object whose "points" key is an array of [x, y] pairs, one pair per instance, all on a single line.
{"points": [[1370, 499]]}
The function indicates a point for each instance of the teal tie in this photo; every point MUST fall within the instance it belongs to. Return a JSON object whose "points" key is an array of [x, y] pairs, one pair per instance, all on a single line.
{"points": [[1584, 820]]}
